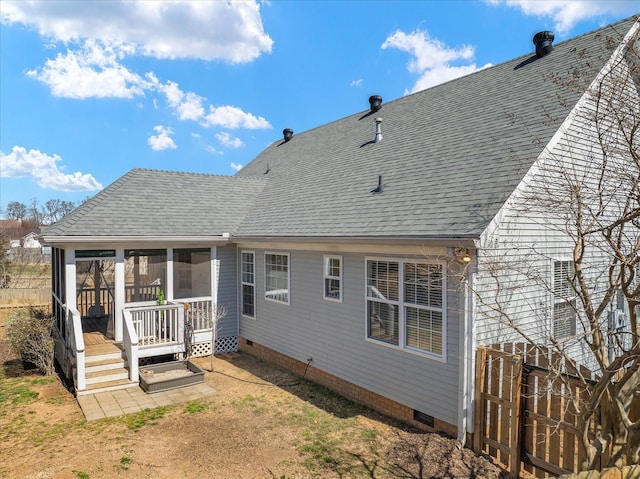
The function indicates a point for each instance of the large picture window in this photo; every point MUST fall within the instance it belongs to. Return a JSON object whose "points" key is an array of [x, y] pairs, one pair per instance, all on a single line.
{"points": [[333, 278], [248, 283], [564, 301], [405, 304], [276, 271]]}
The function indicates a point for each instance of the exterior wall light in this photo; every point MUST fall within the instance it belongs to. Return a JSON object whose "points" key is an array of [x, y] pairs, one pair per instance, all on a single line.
{"points": [[462, 254]]}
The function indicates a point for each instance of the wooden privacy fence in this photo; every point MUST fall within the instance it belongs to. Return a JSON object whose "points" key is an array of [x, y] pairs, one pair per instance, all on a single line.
{"points": [[525, 416]]}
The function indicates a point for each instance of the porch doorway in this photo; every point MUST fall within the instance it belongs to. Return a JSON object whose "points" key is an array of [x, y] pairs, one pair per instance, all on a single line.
{"points": [[95, 278]]}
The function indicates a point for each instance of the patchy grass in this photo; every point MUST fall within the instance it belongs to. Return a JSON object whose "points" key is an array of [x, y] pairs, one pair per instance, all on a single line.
{"points": [[148, 417], [195, 407], [262, 422]]}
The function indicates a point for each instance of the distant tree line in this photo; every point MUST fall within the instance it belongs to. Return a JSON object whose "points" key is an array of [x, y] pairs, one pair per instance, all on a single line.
{"points": [[37, 214]]}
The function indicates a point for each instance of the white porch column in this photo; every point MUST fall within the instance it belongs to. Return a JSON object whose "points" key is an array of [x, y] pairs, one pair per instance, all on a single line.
{"points": [[70, 294], [215, 274], [118, 294], [168, 293]]}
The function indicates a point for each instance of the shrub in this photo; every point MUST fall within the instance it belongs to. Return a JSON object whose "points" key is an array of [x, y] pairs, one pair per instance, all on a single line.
{"points": [[29, 334]]}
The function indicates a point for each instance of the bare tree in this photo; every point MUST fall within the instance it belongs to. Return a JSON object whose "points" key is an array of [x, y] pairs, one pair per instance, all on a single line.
{"points": [[217, 313], [55, 210], [585, 197], [16, 210]]}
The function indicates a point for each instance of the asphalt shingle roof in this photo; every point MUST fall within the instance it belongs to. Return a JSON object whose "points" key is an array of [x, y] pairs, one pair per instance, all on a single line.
{"points": [[150, 203], [450, 157]]}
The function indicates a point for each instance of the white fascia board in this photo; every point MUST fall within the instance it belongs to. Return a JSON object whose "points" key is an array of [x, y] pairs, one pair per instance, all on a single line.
{"points": [[546, 152]]}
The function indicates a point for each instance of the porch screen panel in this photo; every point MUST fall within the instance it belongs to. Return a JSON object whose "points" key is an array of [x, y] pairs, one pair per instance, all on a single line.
{"points": [[191, 273], [58, 287], [145, 274]]}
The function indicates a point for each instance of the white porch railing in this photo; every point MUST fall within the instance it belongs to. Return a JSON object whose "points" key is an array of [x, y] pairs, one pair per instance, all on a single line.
{"points": [[76, 342], [160, 329], [130, 344], [198, 312]]}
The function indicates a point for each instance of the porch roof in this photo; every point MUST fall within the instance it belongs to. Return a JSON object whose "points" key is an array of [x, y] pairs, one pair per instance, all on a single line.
{"points": [[150, 204]]}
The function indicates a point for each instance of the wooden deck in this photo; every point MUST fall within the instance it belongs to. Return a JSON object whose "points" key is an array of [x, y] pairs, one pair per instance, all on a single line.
{"points": [[94, 331]]}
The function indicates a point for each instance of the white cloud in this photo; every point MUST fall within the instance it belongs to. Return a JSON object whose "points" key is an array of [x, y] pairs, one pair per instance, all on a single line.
{"points": [[205, 30], [232, 117], [212, 150], [566, 13], [93, 71], [431, 58], [191, 108], [226, 139], [236, 166], [21, 163], [356, 83], [161, 141]]}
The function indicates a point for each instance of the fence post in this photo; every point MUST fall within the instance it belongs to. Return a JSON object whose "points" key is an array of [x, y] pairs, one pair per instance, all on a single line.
{"points": [[514, 428], [478, 426]]}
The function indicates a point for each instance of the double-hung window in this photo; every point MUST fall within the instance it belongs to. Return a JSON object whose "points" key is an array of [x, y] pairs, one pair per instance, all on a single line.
{"points": [[564, 300], [333, 278], [423, 297], [405, 304], [276, 270], [248, 284]]}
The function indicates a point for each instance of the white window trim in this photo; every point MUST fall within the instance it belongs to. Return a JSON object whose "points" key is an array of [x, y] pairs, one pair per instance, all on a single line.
{"points": [[401, 308], [326, 276], [279, 253], [559, 299], [243, 283]]}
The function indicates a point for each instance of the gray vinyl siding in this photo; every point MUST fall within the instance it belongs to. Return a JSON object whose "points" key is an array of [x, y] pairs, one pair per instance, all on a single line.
{"points": [[334, 335], [227, 290], [531, 240]]}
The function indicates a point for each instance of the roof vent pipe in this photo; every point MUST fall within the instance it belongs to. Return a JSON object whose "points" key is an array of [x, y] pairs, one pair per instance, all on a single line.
{"points": [[376, 103], [543, 41], [378, 137], [288, 134]]}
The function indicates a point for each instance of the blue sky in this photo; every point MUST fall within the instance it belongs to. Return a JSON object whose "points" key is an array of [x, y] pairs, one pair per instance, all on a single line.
{"points": [[92, 89]]}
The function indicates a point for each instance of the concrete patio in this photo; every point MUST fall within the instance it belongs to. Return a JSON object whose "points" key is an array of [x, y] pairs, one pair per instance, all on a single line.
{"points": [[132, 400]]}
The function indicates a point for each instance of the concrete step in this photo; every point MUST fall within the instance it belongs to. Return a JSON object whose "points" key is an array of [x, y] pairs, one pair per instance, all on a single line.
{"points": [[106, 376], [108, 386]]}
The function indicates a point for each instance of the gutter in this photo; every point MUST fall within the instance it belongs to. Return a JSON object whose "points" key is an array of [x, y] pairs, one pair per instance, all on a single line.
{"points": [[462, 240], [223, 238]]}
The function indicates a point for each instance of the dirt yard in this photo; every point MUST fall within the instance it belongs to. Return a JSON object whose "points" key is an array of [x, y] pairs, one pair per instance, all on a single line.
{"points": [[262, 423]]}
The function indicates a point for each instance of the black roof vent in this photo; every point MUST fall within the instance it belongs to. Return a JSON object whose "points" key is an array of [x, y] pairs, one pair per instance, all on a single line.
{"points": [[288, 134], [543, 42], [376, 102]]}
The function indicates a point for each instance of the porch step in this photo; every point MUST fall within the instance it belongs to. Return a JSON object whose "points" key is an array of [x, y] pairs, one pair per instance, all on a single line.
{"points": [[102, 352], [108, 386], [92, 366], [101, 377]]}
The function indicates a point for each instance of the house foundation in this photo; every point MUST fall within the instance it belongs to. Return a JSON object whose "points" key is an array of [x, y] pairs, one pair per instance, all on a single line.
{"points": [[346, 389]]}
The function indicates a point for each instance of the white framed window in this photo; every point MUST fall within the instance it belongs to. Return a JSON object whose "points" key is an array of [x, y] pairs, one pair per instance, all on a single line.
{"points": [[333, 278], [276, 277], [248, 272], [564, 300], [406, 305]]}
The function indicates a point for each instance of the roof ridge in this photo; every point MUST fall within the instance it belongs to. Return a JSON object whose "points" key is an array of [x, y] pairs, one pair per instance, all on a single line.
{"points": [[511, 60]]}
